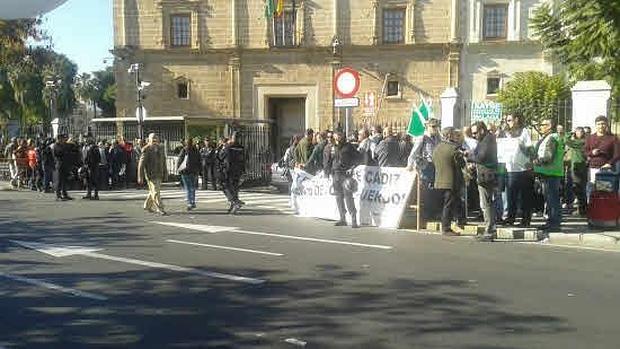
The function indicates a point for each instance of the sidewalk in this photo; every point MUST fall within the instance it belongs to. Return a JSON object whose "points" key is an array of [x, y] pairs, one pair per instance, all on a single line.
{"points": [[575, 232]]}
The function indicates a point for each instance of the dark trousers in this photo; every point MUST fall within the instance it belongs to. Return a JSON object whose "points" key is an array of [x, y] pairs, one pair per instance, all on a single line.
{"points": [[520, 189], [579, 173], [208, 173], [452, 207], [103, 177], [48, 175], [61, 178], [343, 197], [230, 186], [92, 182]]}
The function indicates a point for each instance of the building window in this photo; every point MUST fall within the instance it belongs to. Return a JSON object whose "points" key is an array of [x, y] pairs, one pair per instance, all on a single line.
{"points": [[183, 90], [493, 85], [394, 26], [495, 22], [284, 29], [393, 89], [180, 30]]}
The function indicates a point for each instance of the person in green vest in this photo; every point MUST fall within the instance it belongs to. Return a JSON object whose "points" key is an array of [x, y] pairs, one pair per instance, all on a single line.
{"points": [[549, 166]]}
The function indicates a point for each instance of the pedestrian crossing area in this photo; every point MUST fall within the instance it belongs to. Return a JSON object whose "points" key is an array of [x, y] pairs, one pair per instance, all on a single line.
{"points": [[208, 199]]}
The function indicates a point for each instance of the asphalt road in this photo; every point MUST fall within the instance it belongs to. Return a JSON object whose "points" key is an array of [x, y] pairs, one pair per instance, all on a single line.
{"points": [[207, 279]]}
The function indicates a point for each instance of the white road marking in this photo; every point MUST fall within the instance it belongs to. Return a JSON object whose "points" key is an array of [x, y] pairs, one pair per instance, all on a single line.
{"points": [[200, 227], [226, 248], [60, 251], [54, 287]]}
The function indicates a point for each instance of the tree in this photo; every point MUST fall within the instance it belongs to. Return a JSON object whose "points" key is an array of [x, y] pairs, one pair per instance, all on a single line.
{"points": [[535, 96], [105, 87], [583, 35], [85, 89]]}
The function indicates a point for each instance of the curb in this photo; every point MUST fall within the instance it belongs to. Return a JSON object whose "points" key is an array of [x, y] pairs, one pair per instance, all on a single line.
{"points": [[587, 240], [517, 234]]}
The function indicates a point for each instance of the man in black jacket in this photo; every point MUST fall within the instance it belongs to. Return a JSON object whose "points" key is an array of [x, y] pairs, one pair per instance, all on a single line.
{"points": [[387, 152], [91, 159], [485, 157], [63, 164], [207, 156], [232, 159], [346, 157]]}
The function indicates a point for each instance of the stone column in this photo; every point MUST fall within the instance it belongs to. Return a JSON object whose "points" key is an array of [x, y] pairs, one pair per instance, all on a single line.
{"points": [[448, 107], [590, 99]]}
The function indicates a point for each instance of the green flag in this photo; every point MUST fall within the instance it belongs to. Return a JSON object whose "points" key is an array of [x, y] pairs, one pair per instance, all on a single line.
{"points": [[270, 8], [419, 116]]}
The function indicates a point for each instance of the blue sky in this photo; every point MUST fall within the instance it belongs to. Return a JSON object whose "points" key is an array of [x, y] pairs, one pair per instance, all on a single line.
{"points": [[83, 31]]}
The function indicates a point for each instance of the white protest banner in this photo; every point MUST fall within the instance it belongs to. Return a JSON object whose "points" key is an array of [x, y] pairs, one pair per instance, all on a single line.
{"points": [[507, 149], [381, 198]]}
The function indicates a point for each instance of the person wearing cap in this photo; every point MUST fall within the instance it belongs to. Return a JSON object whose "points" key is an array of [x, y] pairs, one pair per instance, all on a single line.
{"points": [[346, 157], [152, 168]]}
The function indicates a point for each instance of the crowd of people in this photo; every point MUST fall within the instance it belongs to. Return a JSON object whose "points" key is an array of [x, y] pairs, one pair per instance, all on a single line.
{"points": [[60, 164], [461, 173]]}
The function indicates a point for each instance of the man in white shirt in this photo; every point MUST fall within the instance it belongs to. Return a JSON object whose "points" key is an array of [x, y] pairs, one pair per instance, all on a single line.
{"points": [[520, 179]]}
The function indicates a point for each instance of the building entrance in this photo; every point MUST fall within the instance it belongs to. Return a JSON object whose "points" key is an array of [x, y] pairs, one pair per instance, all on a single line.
{"points": [[289, 117]]}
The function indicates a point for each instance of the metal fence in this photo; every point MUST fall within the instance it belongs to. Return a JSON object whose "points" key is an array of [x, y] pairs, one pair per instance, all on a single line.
{"points": [[256, 137]]}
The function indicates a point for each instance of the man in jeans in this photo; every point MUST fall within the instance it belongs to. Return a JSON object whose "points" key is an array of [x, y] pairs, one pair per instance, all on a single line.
{"points": [[485, 157], [549, 165]]}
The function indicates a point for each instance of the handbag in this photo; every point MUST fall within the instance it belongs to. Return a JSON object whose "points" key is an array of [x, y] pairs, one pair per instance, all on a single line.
{"points": [[183, 164], [350, 184]]}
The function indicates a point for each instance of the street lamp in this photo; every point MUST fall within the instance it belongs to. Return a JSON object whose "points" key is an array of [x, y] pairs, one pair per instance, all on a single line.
{"points": [[53, 86], [140, 86]]}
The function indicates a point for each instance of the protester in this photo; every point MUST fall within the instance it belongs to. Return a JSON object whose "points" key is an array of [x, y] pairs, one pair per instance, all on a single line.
{"points": [[602, 150], [578, 168], [8, 155], [152, 168], [485, 157], [104, 166], [188, 166], [33, 166], [449, 182], [232, 158], [91, 158], [520, 179], [118, 160], [376, 136], [303, 150], [47, 165], [63, 165], [345, 159], [328, 153], [387, 152], [404, 149], [549, 166], [365, 148], [315, 162], [207, 158]]}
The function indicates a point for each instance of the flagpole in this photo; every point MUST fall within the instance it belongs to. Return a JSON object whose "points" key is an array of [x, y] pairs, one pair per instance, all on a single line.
{"points": [[283, 15]]}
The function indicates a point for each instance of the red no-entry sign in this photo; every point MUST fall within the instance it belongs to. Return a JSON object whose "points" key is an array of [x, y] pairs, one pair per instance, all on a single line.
{"points": [[347, 82]]}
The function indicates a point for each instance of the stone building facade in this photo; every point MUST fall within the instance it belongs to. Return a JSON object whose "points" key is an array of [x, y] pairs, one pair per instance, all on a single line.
{"points": [[213, 61], [497, 43]]}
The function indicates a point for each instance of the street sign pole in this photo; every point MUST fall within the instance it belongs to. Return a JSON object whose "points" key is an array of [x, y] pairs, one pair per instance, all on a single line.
{"points": [[348, 122]]}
